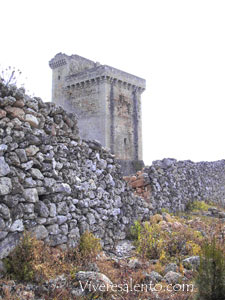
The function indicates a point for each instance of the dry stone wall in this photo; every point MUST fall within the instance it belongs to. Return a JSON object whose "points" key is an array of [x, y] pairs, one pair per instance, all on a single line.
{"points": [[54, 184], [173, 184], [176, 183]]}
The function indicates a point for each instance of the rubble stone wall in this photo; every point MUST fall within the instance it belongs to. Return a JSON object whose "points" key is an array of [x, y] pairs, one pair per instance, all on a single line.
{"points": [[173, 184], [54, 184]]}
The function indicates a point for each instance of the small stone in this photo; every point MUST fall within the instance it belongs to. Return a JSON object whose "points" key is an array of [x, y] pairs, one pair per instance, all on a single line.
{"points": [[17, 226], [2, 113], [64, 229], [29, 182], [11, 200], [171, 267], [57, 240], [62, 208], [28, 165], [9, 243], [49, 182], [5, 185], [94, 277], [29, 208], [32, 120], [115, 212], [193, 261], [52, 209], [15, 112], [19, 103], [172, 277], [31, 195], [3, 234], [2, 224], [153, 276], [40, 232], [134, 263], [61, 188], [32, 150], [4, 167], [41, 209], [3, 149], [7, 101], [36, 173], [53, 229], [61, 219], [91, 219], [22, 155]]}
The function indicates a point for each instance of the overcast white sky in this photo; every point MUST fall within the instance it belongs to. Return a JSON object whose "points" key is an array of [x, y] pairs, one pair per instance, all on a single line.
{"points": [[178, 46]]}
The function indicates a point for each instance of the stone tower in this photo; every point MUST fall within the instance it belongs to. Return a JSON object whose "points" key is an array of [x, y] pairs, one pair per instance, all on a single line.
{"points": [[107, 102]]}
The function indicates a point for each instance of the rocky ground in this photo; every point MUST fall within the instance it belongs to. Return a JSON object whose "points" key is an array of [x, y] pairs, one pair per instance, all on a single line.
{"points": [[126, 269]]}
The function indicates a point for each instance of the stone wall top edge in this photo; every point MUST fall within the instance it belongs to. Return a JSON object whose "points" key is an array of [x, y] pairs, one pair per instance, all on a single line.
{"points": [[104, 70], [174, 162]]}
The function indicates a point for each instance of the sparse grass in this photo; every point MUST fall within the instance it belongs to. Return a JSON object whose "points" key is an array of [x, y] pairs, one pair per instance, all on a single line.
{"points": [[33, 261], [211, 276], [198, 206]]}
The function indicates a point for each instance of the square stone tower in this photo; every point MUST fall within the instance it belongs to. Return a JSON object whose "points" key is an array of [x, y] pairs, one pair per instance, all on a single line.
{"points": [[107, 102]]}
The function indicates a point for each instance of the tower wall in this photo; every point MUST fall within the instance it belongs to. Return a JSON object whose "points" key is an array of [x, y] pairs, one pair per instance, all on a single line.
{"points": [[88, 101], [107, 102]]}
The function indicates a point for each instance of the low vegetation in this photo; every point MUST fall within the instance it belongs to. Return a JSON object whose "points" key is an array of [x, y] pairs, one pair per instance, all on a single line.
{"points": [[211, 276], [163, 240]]}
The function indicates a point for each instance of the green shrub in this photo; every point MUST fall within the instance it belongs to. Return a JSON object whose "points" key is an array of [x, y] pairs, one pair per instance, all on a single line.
{"points": [[150, 241], [135, 230], [19, 264], [89, 245], [211, 277], [197, 205], [34, 261]]}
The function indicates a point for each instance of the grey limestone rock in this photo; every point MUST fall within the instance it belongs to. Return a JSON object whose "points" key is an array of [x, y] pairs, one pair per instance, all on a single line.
{"points": [[31, 195], [7, 101], [2, 224], [9, 243], [22, 155], [5, 185], [4, 211], [40, 232], [41, 209], [17, 226], [28, 165], [4, 167], [61, 188], [193, 261], [153, 277], [94, 277], [58, 239], [171, 267], [32, 150], [36, 173], [3, 149], [172, 277], [32, 120]]}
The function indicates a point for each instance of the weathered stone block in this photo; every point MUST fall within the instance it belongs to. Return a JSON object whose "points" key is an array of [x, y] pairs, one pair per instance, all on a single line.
{"points": [[5, 185], [40, 232], [31, 195]]}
